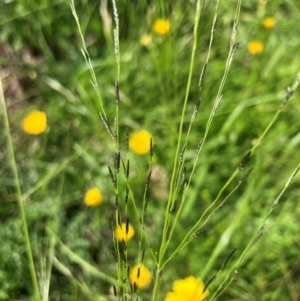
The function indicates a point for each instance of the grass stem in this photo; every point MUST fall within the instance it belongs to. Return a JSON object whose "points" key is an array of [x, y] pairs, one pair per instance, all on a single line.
{"points": [[13, 163]]}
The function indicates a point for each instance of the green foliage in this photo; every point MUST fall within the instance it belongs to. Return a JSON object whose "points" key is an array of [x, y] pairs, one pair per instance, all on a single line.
{"points": [[72, 244]]}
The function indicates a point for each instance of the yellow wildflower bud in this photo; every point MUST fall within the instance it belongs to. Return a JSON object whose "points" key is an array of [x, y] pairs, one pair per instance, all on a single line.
{"points": [[139, 142], [35, 123], [93, 197], [255, 47], [140, 275], [161, 26], [122, 233], [269, 22], [189, 289]]}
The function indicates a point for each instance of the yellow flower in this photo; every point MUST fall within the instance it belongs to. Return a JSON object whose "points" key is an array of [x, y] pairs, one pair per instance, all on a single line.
{"points": [[139, 142], [35, 123], [188, 289], [161, 26], [146, 40], [255, 47], [120, 232], [269, 22], [140, 275], [93, 197]]}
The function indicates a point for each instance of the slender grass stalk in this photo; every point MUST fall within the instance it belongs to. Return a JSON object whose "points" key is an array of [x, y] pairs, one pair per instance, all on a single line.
{"points": [[131, 194], [254, 238], [121, 265], [232, 50], [187, 240], [54, 224], [116, 39], [226, 235], [117, 83], [144, 205], [189, 130], [13, 163], [175, 167], [198, 225], [87, 58], [178, 164]]}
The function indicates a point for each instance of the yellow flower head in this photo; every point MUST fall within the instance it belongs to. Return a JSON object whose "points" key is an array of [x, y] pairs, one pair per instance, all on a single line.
{"points": [[122, 233], [188, 289], [146, 40], [93, 197], [269, 22], [140, 275], [255, 47], [139, 142], [161, 26], [35, 123]]}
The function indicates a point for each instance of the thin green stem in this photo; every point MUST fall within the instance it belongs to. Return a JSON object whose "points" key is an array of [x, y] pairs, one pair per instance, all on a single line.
{"points": [[88, 61], [54, 224], [143, 231], [13, 163], [189, 238], [254, 238], [188, 134], [175, 166], [197, 226]]}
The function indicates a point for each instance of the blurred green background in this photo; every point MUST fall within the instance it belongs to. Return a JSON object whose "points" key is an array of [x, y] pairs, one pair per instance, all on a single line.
{"points": [[42, 68]]}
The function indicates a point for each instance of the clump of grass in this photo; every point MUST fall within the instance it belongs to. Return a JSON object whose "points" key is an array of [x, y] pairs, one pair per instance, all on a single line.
{"points": [[179, 185], [145, 247]]}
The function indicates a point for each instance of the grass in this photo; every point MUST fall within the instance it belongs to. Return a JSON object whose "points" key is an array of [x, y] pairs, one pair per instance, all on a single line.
{"points": [[224, 210]]}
